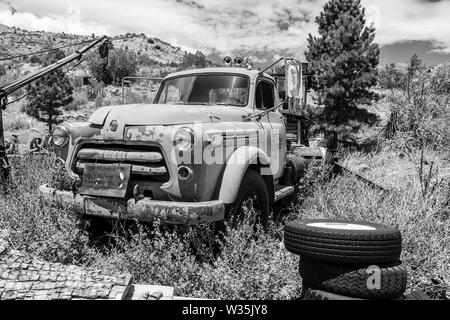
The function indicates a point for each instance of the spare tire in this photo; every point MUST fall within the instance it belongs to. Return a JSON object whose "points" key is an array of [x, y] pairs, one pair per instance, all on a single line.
{"points": [[343, 241], [353, 280], [417, 295], [314, 294]]}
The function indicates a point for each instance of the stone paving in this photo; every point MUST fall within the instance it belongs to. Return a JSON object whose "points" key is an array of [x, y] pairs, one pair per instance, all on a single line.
{"points": [[27, 278]]}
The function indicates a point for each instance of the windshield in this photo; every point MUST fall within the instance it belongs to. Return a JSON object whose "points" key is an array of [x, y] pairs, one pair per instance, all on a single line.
{"points": [[212, 89]]}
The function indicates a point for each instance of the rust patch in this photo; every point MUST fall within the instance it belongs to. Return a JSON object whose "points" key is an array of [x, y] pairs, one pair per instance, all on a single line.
{"points": [[144, 133], [178, 212]]}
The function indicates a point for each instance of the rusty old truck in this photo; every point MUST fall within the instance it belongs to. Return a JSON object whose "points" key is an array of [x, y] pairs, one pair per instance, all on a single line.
{"points": [[215, 143]]}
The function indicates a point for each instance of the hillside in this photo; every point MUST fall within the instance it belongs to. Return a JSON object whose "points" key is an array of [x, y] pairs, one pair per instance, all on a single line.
{"points": [[16, 41]]}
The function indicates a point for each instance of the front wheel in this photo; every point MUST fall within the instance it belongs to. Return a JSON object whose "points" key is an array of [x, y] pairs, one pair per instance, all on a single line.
{"points": [[252, 202]]}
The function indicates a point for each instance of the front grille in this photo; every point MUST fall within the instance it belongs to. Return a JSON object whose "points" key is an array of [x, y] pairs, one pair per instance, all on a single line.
{"points": [[147, 162]]}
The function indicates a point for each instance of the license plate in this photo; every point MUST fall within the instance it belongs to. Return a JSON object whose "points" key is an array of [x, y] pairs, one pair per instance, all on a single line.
{"points": [[107, 180]]}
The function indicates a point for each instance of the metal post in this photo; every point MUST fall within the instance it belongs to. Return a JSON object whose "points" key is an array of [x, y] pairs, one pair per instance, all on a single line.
{"points": [[4, 164]]}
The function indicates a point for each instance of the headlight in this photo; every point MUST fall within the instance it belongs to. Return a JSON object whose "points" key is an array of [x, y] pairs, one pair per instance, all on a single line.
{"points": [[60, 136], [185, 139]]}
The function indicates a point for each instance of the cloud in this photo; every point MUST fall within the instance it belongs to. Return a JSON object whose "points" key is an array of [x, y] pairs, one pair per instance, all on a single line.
{"points": [[70, 22], [258, 28], [411, 20], [208, 25]]}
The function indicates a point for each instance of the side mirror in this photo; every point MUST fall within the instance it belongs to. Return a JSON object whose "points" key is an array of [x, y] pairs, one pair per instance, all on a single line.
{"points": [[293, 81], [294, 87]]}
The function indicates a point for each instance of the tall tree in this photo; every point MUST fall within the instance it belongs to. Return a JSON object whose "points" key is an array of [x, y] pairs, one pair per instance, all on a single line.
{"points": [[49, 93], [344, 60], [415, 64]]}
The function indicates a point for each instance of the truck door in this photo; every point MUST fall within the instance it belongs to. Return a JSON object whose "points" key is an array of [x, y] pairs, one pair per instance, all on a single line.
{"points": [[274, 126]]}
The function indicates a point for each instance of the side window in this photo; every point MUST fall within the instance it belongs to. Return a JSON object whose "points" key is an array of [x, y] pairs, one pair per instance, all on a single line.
{"points": [[264, 95]]}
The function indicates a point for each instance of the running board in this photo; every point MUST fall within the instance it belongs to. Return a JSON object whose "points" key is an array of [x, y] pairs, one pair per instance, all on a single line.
{"points": [[283, 193]]}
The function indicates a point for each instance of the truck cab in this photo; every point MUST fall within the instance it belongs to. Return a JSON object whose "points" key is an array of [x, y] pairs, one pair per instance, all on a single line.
{"points": [[212, 145]]}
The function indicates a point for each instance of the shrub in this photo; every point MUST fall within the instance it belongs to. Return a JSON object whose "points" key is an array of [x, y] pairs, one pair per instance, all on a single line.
{"points": [[99, 100], [249, 266], [2, 70], [79, 100], [193, 60], [390, 77], [121, 63], [53, 234], [35, 59]]}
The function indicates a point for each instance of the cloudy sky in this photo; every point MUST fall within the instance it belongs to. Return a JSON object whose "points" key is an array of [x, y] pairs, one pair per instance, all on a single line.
{"points": [[259, 28]]}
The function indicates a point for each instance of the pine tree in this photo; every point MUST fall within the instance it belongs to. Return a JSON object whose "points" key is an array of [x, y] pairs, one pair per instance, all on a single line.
{"points": [[49, 93], [414, 65], [344, 60]]}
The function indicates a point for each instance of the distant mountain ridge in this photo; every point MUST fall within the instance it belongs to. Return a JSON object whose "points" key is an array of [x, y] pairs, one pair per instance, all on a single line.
{"points": [[15, 41]]}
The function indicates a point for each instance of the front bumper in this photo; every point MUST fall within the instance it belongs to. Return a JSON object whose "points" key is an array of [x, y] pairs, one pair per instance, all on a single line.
{"points": [[145, 210]]}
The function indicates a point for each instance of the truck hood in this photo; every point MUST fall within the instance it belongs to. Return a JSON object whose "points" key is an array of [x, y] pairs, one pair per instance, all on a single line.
{"points": [[166, 114]]}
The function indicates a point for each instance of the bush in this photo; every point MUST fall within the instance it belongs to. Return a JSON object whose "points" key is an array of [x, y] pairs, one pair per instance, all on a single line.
{"points": [[35, 60], [193, 60], [2, 70], [50, 233], [79, 100], [121, 63], [390, 77], [249, 266], [99, 100]]}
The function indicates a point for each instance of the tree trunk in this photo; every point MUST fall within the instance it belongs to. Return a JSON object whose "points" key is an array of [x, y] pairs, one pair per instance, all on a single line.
{"points": [[49, 124]]}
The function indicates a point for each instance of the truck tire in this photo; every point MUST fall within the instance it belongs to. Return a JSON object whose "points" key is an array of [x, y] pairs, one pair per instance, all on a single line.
{"points": [[314, 294], [343, 241], [417, 295], [351, 280], [252, 194]]}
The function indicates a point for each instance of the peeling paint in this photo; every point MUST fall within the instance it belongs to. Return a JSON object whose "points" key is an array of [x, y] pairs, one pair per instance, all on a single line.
{"points": [[145, 133]]}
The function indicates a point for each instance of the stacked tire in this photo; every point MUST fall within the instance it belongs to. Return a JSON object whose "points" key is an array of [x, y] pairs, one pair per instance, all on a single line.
{"points": [[347, 260]]}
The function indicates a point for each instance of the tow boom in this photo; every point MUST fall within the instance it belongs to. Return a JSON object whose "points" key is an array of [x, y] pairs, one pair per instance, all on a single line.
{"points": [[7, 89]]}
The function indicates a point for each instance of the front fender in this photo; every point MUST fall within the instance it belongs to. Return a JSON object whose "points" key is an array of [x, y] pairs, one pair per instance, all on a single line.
{"points": [[236, 167]]}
